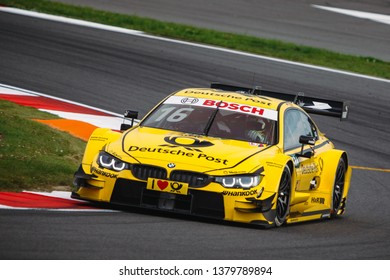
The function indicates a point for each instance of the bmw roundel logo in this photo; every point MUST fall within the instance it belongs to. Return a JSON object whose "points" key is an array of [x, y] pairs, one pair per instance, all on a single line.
{"points": [[171, 165], [189, 100]]}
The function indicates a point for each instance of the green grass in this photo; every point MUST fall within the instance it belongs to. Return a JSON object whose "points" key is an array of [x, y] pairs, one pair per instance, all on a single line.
{"points": [[34, 156], [273, 48]]}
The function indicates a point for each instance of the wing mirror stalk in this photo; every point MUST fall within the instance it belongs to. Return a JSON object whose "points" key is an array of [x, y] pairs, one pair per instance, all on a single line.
{"points": [[307, 140]]}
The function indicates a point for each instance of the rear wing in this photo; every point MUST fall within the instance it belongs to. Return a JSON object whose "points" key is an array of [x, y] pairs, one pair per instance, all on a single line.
{"points": [[311, 105]]}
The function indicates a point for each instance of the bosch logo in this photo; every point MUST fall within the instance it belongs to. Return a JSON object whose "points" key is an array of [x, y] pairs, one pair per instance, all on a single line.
{"points": [[234, 107]]}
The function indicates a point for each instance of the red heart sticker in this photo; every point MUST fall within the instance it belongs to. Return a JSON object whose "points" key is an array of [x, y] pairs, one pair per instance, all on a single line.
{"points": [[162, 184]]}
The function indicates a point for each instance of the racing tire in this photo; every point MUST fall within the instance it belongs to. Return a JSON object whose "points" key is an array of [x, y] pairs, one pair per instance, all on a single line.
{"points": [[283, 199], [338, 187]]}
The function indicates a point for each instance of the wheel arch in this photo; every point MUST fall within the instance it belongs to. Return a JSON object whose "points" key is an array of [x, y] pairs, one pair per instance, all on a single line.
{"points": [[330, 160], [274, 170]]}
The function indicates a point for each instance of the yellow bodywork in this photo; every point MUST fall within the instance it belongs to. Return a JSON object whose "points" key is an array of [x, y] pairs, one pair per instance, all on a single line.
{"points": [[312, 178]]}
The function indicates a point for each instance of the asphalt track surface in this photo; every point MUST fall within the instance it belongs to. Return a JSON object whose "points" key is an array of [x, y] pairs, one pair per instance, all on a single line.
{"points": [[295, 21], [117, 72]]}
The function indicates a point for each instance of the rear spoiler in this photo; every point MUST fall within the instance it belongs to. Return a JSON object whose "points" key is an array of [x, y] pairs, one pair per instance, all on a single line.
{"points": [[311, 105]]}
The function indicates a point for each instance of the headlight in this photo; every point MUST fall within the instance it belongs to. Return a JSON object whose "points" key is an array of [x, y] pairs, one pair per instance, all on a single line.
{"points": [[245, 182], [108, 161]]}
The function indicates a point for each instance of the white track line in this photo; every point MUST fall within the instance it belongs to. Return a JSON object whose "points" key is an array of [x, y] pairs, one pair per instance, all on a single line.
{"points": [[142, 34]]}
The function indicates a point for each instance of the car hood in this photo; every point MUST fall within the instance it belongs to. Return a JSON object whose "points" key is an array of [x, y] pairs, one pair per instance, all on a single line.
{"points": [[156, 146]]}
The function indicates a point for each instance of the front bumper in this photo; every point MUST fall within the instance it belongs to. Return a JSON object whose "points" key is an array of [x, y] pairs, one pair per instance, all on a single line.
{"points": [[233, 206]]}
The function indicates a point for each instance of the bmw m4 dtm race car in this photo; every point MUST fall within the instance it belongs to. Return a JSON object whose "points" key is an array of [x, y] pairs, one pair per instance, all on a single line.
{"points": [[224, 152]]}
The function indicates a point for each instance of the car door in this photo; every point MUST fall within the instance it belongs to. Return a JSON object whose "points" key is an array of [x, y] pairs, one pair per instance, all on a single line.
{"points": [[297, 123]]}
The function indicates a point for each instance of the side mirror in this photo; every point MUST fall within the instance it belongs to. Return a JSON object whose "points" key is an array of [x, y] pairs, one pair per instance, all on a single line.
{"points": [[307, 140], [128, 114]]}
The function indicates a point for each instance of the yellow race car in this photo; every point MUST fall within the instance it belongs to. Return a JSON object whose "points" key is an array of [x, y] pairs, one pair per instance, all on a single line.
{"points": [[224, 152]]}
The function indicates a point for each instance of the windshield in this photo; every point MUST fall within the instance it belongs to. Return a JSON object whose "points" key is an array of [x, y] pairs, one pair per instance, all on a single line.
{"points": [[212, 121]]}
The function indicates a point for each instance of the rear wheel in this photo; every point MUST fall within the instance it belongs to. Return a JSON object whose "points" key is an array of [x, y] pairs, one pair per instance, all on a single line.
{"points": [[338, 187], [283, 200]]}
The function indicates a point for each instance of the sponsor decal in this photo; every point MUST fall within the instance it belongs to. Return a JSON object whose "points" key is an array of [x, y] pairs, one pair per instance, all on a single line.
{"points": [[318, 200], [240, 193], [224, 95], [101, 172], [234, 107], [167, 186], [229, 172], [309, 168], [217, 94], [257, 101], [211, 158], [225, 105], [189, 100], [189, 143], [319, 106], [179, 152], [98, 138]]}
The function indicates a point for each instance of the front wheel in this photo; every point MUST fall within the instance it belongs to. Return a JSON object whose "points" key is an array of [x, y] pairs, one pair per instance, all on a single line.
{"points": [[283, 200], [338, 187]]}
